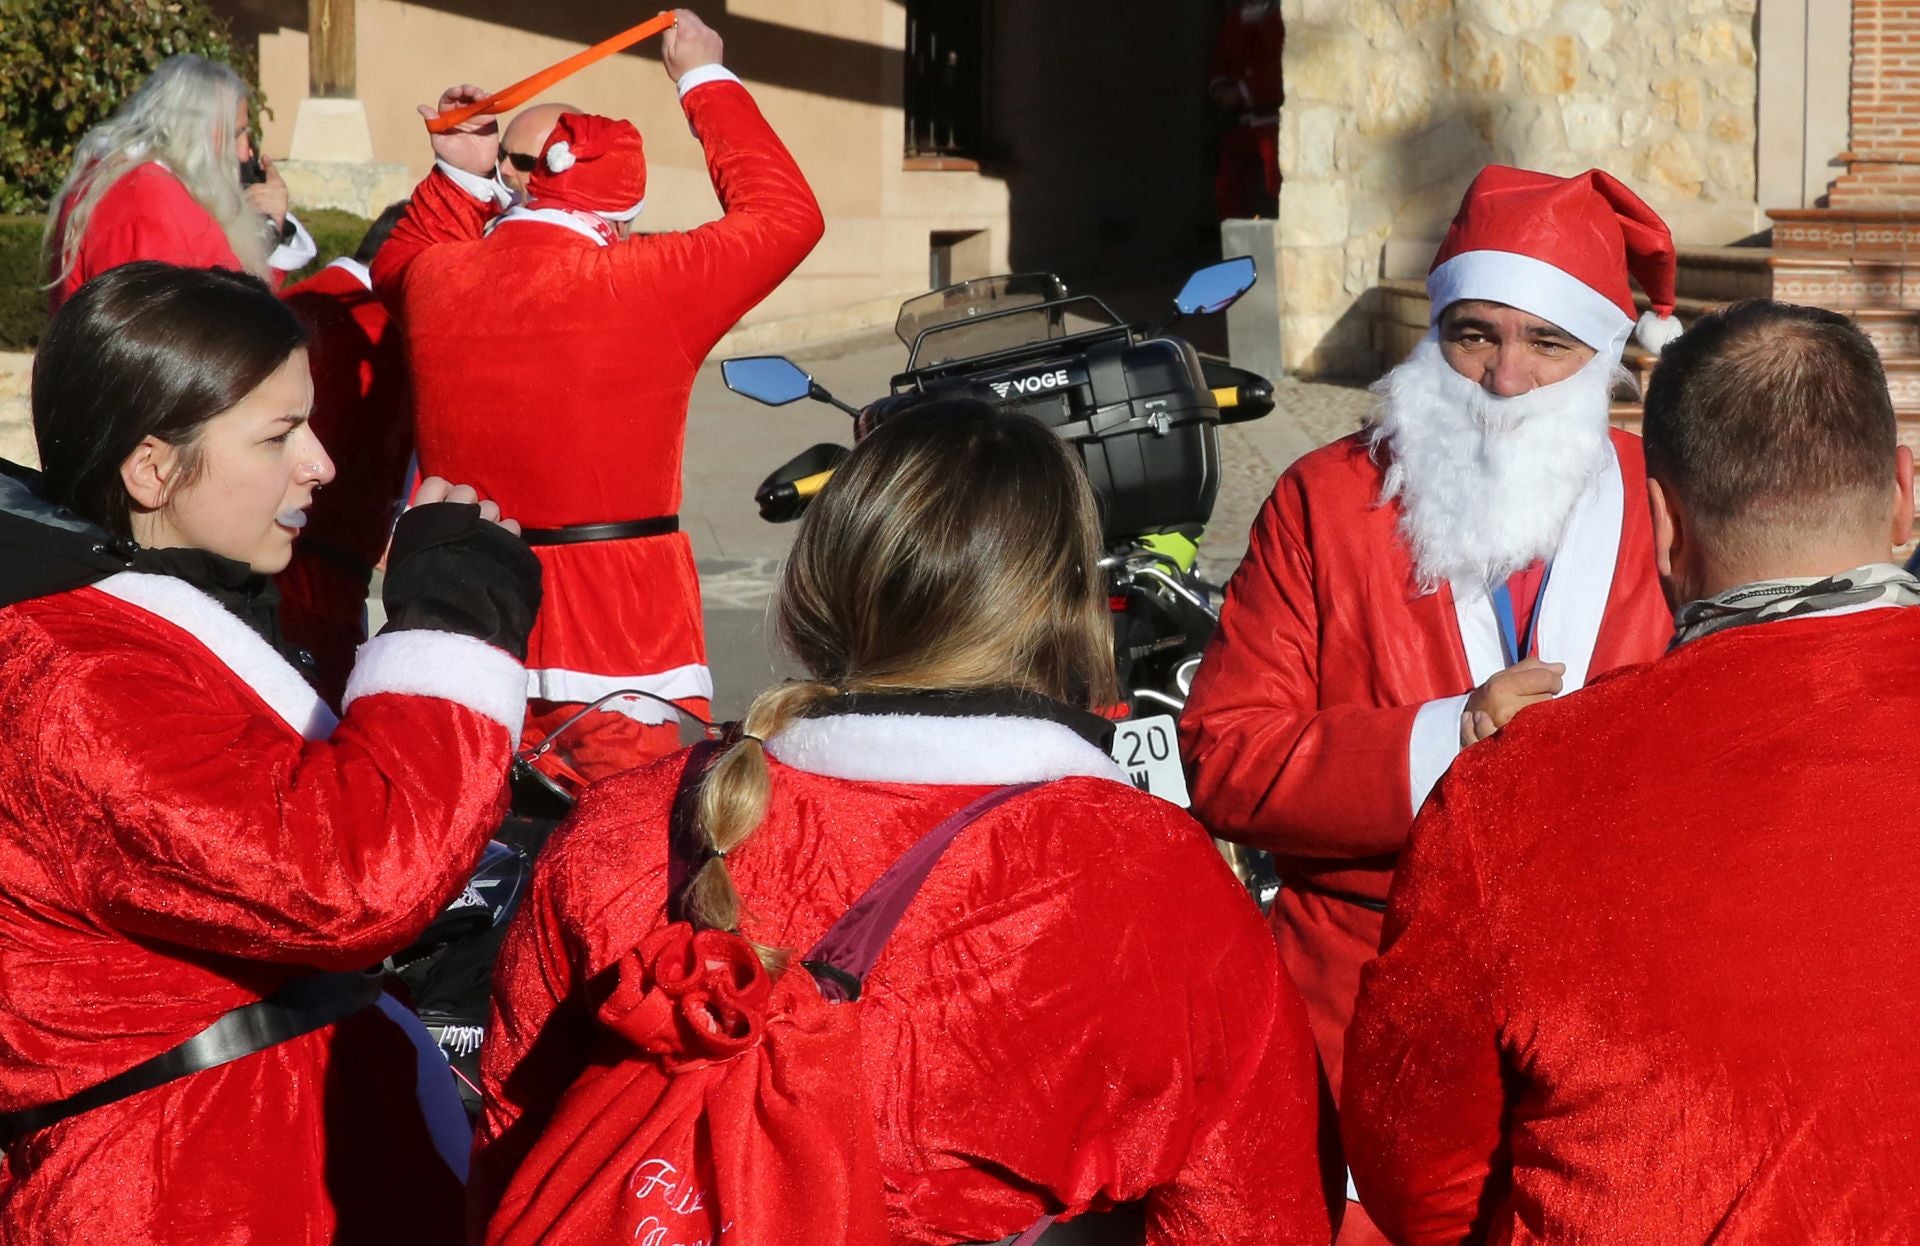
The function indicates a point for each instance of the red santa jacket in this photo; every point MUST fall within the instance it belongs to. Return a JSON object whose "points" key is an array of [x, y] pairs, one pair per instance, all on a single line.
{"points": [[551, 370], [1650, 961], [1329, 700], [184, 827], [1079, 1008], [362, 413], [148, 215]]}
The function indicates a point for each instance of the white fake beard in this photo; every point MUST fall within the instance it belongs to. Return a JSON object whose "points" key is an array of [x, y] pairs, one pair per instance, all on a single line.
{"points": [[1486, 485]]}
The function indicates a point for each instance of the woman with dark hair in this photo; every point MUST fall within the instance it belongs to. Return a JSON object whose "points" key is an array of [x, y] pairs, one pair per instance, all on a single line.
{"points": [[1079, 1009], [196, 859]]}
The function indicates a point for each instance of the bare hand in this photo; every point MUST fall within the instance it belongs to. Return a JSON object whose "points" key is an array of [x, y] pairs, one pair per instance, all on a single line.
{"points": [[436, 489], [1493, 704], [269, 198], [688, 44], [473, 146]]}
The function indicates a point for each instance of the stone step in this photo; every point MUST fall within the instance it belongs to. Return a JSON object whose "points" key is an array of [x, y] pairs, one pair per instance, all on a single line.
{"points": [[1841, 229], [1845, 282]]}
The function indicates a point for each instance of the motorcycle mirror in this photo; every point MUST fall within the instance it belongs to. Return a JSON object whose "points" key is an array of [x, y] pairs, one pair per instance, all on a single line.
{"points": [[772, 379], [1216, 287]]}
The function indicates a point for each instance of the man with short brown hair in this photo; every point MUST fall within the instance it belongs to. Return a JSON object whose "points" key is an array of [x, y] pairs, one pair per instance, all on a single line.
{"points": [[1649, 961]]}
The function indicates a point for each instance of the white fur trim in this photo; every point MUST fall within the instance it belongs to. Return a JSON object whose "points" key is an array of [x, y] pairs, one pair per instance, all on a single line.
{"points": [[560, 157], [681, 683], [434, 1089], [1575, 604], [551, 216], [628, 215], [231, 642], [1656, 332], [701, 75], [299, 253], [450, 667], [1536, 287], [1432, 746], [925, 748], [1575, 600], [360, 271]]}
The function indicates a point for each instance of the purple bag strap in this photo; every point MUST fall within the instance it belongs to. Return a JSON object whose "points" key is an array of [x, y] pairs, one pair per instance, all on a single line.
{"points": [[845, 954]]}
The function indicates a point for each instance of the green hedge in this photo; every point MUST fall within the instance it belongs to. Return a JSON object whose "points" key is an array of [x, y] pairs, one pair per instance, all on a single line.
{"points": [[23, 304], [23, 301], [66, 65]]}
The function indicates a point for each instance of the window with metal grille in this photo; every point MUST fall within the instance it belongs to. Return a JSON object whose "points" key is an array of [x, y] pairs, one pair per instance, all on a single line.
{"points": [[946, 78]]}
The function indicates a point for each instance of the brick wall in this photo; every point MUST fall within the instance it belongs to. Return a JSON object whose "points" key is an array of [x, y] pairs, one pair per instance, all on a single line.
{"points": [[1884, 108]]}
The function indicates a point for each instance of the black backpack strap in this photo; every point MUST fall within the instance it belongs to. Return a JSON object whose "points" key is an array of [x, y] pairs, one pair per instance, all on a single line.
{"points": [[301, 1006], [845, 954]]}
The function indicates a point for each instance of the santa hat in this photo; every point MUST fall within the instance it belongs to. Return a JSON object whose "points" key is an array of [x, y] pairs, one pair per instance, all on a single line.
{"points": [[592, 162], [1560, 248]]}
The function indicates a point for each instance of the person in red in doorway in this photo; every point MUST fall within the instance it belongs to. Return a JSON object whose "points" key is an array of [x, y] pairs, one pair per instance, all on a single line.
{"points": [[1647, 976], [553, 351], [1246, 92], [1412, 587], [363, 412], [162, 179]]}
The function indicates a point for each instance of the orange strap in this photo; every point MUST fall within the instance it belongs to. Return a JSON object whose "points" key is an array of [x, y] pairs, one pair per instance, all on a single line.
{"points": [[527, 88]]}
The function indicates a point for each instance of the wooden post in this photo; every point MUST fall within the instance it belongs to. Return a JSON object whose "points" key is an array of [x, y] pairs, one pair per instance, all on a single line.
{"points": [[330, 61]]}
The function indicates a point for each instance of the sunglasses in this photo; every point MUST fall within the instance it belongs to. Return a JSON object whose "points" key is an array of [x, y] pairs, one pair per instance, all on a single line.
{"points": [[520, 160]]}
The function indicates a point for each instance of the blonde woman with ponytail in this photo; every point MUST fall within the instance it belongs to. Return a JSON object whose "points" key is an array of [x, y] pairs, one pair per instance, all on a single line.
{"points": [[160, 180], [1080, 1011]]}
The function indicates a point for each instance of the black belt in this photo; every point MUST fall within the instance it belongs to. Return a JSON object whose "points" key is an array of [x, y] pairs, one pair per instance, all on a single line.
{"points": [[299, 1007], [582, 533]]}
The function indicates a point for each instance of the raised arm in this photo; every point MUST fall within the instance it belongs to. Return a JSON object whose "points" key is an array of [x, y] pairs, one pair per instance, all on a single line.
{"points": [[712, 276], [453, 204], [1269, 764], [1423, 1096]]}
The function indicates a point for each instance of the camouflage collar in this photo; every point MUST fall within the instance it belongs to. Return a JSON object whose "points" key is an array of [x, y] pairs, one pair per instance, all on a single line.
{"points": [[1874, 586]]}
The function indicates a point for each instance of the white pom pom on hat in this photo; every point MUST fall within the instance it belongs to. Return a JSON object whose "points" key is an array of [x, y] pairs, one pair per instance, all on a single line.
{"points": [[1654, 331], [560, 157]]}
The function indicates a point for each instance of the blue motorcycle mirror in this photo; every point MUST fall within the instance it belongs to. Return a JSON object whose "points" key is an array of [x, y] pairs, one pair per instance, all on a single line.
{"points": [[772, 379], [1215, 287]]}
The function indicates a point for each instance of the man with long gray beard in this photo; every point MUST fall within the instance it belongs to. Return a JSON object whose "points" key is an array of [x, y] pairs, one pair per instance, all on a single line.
{"points": [[1408, 589]]}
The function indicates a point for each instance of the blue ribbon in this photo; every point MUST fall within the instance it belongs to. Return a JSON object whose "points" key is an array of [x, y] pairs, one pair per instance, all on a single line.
{"points": [[1512, 645]]}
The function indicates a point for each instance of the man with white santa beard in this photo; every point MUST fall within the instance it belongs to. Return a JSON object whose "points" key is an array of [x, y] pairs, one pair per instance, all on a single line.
{"points": [[1410, 588]]}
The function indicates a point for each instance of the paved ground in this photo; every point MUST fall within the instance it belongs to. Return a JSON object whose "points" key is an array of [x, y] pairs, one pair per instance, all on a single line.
{"points": [[733, 444]]}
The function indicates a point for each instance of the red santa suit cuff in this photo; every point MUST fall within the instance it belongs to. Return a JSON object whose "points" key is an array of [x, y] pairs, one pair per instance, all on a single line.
{"points": [[468, 672], [701, 75], [1432, 745]]}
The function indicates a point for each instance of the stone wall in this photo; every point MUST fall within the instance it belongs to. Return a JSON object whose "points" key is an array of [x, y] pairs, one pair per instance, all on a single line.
{"points": [[1393, 105]]}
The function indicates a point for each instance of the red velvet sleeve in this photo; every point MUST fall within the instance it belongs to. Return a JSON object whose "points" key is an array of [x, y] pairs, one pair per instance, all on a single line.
{"points": [[1187, 996], [1269, 764], [203, 824], [1423, 1099], [1262, 1165], [707, 278], [438, 211]]}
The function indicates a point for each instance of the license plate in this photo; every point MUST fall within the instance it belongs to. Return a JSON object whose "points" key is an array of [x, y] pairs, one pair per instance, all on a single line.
{"points": [[1148, 749]]}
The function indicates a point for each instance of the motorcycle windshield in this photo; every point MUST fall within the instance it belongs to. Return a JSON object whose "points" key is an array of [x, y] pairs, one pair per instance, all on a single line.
{"points": [[975, 298]]}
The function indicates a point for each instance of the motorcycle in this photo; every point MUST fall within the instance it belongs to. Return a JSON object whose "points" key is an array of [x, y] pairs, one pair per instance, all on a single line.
{"points": [[1142, 408]]}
